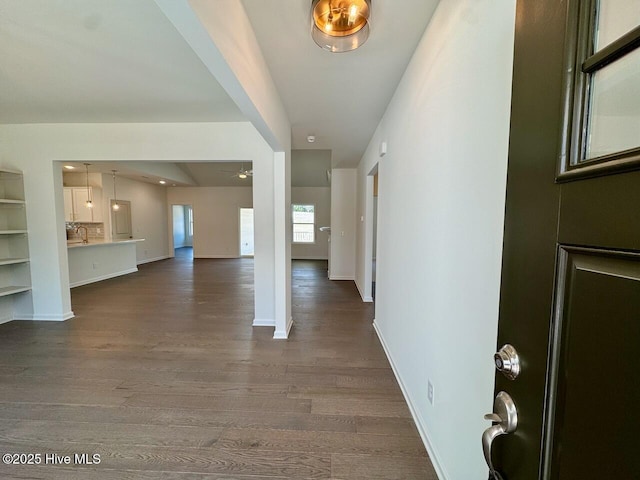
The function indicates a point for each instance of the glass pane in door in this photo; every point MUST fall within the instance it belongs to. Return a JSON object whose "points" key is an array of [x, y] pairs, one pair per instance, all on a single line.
{"points": [[615, 18], [614, 114]]}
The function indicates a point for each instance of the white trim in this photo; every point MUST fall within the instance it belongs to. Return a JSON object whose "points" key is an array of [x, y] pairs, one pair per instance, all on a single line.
{"points": [[6, 319], [364, 299], [149, 260], [279, 335], [103, 277], [437, 465], [264, 322], [342, 277], [302, 257], [46, 317], [216, 256]]}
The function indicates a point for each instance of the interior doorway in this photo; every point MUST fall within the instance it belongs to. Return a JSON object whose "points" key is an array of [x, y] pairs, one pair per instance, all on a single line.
{"points": [[375, 236], [182, 227], [246, 232], [121, 220]]}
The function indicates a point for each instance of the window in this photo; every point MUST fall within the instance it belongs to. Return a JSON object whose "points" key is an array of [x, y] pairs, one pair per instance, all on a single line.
{"points": [[304, 219], [602, 110]]}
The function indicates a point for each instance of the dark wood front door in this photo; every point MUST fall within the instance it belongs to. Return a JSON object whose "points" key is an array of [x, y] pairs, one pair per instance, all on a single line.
{"points": [[570, 294]]}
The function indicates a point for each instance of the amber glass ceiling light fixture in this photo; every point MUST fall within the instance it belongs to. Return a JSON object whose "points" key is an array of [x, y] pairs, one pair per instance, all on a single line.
{"points": [[340, 25], [88, 203]]}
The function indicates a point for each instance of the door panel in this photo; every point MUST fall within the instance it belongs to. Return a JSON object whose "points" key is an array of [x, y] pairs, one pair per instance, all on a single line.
{"points": [[570, 291], [601, 212], [597, 383]]}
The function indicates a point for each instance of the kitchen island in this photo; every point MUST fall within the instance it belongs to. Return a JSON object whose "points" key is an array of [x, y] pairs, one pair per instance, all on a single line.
{"points": [[101, 259]]}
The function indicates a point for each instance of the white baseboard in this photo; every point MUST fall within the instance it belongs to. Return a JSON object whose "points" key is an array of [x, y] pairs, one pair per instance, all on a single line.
{"points": [[6, 319], [437, 465], [103, 277], [342, 277], [364, 299], [216, 256], [156, 259], [302, 257], [46, 317], [283, 335], [264, 322]]}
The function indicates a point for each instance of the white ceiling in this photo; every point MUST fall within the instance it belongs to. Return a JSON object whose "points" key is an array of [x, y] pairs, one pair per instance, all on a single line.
{"points": [[123, 61], [101, 61]]}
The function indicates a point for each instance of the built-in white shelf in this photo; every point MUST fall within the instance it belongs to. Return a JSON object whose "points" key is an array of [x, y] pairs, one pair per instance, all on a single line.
{"points": [[4, 291], [13, 261], [15, 275]]}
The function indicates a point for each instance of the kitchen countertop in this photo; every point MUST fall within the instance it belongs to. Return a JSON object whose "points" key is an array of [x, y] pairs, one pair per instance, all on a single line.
{"points": [[101, 243]]}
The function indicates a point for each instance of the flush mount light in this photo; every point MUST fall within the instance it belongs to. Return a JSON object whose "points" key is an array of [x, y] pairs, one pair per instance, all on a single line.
{"points": [[162, 182], [311, 138], [340, 25], [69, 167]]}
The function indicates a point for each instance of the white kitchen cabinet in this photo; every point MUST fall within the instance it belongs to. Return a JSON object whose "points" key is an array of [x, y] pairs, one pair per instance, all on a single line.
{"points": [[81, 213], [68, 205], [75, 205]]}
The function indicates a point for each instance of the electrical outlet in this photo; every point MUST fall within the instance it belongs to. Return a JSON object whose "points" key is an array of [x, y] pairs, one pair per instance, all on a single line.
{"points": [[430, 392], [98, 231]]}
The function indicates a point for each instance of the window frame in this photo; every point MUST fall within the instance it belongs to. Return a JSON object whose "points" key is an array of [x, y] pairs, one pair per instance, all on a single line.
{"points": [[581, 64], [293, 223]]}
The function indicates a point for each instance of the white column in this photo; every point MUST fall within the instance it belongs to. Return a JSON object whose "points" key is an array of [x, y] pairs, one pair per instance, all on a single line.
{"points": [[282, 229]]}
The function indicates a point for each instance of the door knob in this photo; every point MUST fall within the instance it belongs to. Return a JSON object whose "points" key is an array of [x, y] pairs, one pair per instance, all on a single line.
{"points": [[507, 361], [505, 419]]}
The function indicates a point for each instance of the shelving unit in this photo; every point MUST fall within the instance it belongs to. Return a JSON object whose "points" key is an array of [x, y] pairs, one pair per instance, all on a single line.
{"points": [[15, 275]]}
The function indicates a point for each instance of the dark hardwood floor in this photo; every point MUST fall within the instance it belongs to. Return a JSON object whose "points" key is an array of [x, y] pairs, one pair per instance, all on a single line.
{"points": [[162, 375]]}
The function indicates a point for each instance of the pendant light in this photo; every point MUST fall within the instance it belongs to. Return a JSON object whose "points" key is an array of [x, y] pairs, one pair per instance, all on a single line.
{"points": [[340, 25], [115, 205], [89, 202]]}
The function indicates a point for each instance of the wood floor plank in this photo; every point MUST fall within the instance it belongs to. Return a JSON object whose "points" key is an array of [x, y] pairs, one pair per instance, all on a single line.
{"points": [[162, 374], [177, 416], [372, 467], [247, 403], [321, 442], [38, 431], [191, 460], [360, 406], [101, 473]]}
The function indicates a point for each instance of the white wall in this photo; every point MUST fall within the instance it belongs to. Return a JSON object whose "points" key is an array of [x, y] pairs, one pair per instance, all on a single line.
{"points": [[343, 224], [440, 223], [321, 198], [216, 217], [148, 215]]}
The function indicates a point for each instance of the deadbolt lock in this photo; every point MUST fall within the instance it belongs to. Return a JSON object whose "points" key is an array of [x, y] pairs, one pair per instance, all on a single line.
{"points": [[507, 361]]}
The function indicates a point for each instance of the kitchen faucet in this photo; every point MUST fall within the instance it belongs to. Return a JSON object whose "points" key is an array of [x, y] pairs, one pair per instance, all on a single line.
{"points": [[85, 238]]}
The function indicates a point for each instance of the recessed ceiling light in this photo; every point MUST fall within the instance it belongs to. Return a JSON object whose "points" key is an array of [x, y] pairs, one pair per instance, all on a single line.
{"points": [[311, 138], [162, 182], [69, 167]]}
